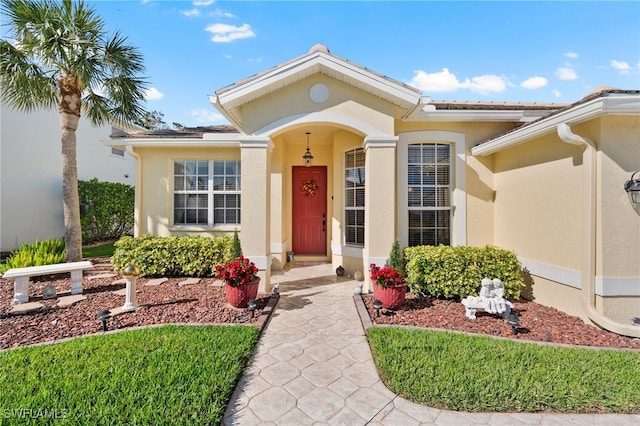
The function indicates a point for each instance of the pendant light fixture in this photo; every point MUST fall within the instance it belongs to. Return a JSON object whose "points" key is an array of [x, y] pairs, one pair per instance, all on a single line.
{"points": [[307, 155]]}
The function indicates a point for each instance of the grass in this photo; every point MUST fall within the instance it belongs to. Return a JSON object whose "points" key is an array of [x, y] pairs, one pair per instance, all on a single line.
{"points": [[106, 249], [160, 375], [477, 373]]}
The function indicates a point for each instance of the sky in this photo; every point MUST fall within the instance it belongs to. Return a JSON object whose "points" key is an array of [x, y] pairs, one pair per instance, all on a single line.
{"points": [[538, 51]]}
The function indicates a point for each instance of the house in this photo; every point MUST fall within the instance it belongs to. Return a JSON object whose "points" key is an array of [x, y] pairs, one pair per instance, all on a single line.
{"points": [[31, 172], [384, 162]]}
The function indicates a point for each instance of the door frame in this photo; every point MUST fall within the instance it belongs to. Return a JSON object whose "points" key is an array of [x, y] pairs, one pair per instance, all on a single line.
{"points": [[325, 205]]}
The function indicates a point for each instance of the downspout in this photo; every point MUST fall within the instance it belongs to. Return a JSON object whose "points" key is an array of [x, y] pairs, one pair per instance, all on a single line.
{"points": [[589, 209], [136, 189]]}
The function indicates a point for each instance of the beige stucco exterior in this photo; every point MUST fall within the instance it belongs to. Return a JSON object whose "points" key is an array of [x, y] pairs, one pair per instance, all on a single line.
{"points": [[515, 182]]}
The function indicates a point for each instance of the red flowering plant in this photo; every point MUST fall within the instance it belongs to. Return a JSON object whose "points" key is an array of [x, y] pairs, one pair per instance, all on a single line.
{"points": [[387, 276], [237, 271]]}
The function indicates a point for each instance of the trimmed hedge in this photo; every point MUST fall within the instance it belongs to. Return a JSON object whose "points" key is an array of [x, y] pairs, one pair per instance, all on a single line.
{"points": [[176, 256], [456, 272], [106, 210]]}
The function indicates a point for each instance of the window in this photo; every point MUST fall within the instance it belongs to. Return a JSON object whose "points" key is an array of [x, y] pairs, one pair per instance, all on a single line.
{"points": [[206, 192], [354, 181], [117, 152], [429, 194]]}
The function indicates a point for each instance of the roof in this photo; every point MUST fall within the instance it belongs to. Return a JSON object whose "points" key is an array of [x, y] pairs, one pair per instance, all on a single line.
{"points": [[318, 60], [601, 101], [182, 133]]}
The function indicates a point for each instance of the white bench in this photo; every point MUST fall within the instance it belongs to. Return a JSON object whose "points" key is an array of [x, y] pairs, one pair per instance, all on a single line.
{"points": [[491, 299], [471, 304], [21, 277]]}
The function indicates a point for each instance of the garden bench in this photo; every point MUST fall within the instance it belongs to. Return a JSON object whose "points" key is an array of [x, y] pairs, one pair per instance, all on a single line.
{"points": [[21, 277]]}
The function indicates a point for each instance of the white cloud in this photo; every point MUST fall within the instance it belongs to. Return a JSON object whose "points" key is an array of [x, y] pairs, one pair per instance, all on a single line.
{"points": [[207, 117], [534, 82], [557, 93], [191, 12], [486, 83], [223, 33], [219, 13], [566, 73], [153, 94], [572, 55], [621, 66], [442, 81], [445, 81], [203, 2]]}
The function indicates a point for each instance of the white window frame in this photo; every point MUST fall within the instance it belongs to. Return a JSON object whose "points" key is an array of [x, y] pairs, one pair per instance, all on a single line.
{"points": [[210, 193], [354, 208], [438, 207], [458, 222]]}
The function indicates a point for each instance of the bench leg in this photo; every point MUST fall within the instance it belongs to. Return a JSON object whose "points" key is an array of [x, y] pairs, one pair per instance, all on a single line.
{"points": [[470, 313], [76, 282], [21, 290]]}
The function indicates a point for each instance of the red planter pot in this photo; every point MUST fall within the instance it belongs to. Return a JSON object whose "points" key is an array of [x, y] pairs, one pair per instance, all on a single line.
{"points": [[391, 297], [239, 296]]}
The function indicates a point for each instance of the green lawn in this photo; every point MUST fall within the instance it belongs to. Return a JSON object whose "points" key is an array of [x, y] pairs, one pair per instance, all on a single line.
{"points": [[106, 249], [454, 371], [167, 375]]}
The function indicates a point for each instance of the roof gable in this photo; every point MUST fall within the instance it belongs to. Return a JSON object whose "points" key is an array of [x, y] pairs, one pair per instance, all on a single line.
{"points": [[317, 61]]}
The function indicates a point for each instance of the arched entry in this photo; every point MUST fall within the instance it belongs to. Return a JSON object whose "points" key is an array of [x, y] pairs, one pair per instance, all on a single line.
{"points": [[309, 212]]}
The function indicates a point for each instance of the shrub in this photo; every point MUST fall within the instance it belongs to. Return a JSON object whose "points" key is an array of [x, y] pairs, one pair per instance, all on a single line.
{"points": [[456, 272], [395, 258], [172, 256], [106, 209], [236, 248], [47, 252]]}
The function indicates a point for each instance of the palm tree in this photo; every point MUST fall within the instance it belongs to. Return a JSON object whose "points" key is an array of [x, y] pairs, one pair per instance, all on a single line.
{"points": [[61, 55]]}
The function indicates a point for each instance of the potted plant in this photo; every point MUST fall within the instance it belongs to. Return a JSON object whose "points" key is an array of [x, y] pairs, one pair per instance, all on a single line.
{"points": [[241, 279], [389, 287]]}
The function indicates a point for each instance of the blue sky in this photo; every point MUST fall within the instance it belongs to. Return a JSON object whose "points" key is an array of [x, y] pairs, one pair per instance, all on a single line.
{"points": [[542, 51]]}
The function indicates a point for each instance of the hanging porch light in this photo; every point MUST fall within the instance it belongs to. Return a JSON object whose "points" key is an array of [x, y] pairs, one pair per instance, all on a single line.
{"points": [[307, 157]]}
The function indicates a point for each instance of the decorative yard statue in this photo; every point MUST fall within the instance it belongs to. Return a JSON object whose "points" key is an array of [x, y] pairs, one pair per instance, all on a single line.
{"points": [[491, 299]]}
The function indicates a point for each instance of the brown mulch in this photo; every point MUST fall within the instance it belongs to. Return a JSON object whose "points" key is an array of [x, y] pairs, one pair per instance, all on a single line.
{"points": [[537, 323], [168, 302], [205, 302]]}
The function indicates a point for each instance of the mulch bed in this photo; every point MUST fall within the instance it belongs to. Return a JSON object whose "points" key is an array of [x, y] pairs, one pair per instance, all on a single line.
{"points": [[205, 302], [537, 323], [168, 302]]}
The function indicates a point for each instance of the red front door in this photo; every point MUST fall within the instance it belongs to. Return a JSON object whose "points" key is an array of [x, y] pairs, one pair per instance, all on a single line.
{"points": [[310, 210]]}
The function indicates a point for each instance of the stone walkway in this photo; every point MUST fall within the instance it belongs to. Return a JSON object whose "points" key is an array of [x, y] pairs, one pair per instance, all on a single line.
{"points": [[313, 366]]}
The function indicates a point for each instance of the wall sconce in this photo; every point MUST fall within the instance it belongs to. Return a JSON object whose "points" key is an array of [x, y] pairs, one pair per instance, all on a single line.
{"points": [[307, 155], [632, 186]]}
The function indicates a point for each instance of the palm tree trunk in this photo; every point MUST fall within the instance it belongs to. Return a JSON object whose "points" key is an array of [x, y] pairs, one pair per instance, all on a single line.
{"points": [[71, 200]]}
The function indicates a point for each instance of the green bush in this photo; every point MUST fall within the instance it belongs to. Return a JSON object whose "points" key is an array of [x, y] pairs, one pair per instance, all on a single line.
{"points": [[176, 256], [47, 252], [236, 248], [456, 272], [106, 209], [395, 258]]}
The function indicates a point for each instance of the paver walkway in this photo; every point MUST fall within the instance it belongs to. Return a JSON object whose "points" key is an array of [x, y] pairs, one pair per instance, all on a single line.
{"points": [[313, 366]]}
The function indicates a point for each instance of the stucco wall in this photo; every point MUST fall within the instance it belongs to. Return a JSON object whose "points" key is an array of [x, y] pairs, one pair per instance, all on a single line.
{"points": [[31, 173], [539, 214], [294, 100], [538, 201], [620, 224], [154, 214]]}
